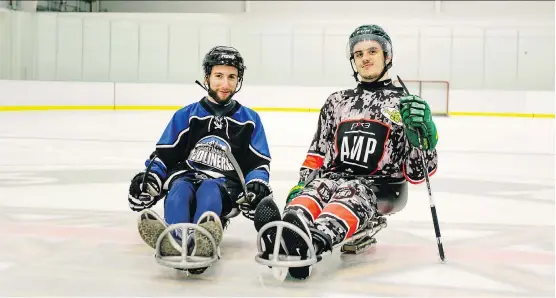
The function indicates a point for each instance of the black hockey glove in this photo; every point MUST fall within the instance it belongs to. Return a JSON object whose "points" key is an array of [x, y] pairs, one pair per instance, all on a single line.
{"points": [[139, 200], [257, 189]]}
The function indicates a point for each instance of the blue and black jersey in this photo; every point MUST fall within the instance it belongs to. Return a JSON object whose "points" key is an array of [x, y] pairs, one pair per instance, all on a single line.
{"points": [[197, 136]]}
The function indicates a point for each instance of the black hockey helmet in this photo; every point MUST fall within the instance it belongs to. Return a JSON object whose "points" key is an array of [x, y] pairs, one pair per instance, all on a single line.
{"points": [[370, 32], [223, 55]]}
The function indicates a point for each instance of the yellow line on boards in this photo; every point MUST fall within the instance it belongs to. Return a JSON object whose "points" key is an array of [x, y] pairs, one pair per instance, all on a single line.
{"points": [[54, 108], [147, 108], [259, 109], [488, 114]]}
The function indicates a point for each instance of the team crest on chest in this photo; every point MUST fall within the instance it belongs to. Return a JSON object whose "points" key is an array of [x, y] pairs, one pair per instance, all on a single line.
{"points": [[210, 151], [393, 114]]}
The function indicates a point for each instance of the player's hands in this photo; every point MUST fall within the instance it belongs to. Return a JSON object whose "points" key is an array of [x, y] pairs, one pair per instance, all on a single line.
{"points": [[139, 199], [294, 191], [417, 118], [257, 189]]}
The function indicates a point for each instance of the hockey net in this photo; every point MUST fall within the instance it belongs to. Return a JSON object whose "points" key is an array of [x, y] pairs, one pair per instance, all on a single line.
{"points": [[436, 93]]}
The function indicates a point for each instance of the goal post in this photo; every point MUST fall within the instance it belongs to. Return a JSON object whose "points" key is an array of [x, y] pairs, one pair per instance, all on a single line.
{"points": [[436, 93]]}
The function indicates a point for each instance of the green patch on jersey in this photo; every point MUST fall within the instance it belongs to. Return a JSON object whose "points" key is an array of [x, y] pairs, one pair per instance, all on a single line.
{"points": [[392, 114]]}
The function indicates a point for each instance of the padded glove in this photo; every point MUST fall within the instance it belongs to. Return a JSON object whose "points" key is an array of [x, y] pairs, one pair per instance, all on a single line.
{"points": [[139, 199], [257, 189], [417, 118], [294, 191]]}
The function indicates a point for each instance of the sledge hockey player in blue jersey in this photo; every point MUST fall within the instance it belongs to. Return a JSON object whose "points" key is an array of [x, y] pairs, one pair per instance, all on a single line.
{"points": [[191, 170]]}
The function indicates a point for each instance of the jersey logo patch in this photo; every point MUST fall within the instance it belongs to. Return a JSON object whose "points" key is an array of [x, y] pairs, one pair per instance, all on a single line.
{"points": [[210, 151], [393, 114], [359, 145]]}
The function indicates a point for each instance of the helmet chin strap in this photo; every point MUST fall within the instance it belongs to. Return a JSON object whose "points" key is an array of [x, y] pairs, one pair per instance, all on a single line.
{"points": [[213, 94]]}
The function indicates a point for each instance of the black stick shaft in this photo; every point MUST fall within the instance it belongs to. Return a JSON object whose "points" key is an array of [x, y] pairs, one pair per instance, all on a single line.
{"points": [[237, 168], [144, 185], [431, 201]]}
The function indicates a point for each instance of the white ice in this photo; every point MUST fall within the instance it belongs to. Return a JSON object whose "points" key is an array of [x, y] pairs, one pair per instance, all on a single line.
{"points": [[67, 230]]}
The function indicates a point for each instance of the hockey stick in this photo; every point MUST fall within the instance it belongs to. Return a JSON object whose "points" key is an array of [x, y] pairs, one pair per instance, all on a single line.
{"points": [[247, 198], [144, 185], [431, 201], [238, 170]]}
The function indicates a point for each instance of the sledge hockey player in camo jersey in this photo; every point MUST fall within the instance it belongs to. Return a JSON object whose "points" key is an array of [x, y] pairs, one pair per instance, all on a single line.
{"points": [[190, 167], [365, 146]]}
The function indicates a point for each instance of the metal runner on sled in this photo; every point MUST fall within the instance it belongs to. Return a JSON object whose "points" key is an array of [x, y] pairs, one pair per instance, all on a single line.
{"points": [[186, 261]]}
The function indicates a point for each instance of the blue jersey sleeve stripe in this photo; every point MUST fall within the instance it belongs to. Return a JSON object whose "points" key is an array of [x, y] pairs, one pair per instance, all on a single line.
{"points": [[242, 123], [261, 155], [168, 136], [160, 172], [257, 174], [156, 162], [160, 163], [157, 167], [259, 144], [263, 167], [175, 129]]}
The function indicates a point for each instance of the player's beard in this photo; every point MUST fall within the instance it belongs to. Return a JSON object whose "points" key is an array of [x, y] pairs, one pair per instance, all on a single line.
{"points": [[218, 99]]}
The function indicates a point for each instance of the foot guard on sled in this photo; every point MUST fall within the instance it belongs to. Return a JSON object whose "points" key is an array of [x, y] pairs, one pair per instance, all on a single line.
{"points": [[198, 249], [291, 236]]}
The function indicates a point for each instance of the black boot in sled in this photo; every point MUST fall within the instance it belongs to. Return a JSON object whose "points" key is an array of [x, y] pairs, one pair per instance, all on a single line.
{"points": [[266, 212], [297, 246]]}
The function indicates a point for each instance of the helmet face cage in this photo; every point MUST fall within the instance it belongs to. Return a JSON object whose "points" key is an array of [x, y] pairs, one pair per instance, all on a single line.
{"points": [[222, 55]]}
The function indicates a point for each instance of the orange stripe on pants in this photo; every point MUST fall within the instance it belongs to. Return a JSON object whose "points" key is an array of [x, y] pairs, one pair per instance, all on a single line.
{"points": [[344, 214], [308, 202]]}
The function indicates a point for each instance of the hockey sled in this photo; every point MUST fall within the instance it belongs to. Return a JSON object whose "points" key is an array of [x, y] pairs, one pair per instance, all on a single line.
{"points": [[353, 245], [388, 203], [185, 260]]}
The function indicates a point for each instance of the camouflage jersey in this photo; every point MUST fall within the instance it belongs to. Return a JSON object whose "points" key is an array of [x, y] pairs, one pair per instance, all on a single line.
{"points": [[360, 133]]}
